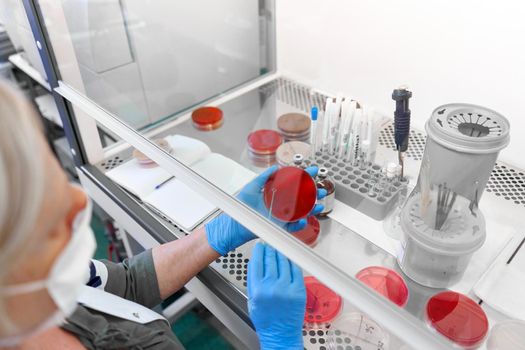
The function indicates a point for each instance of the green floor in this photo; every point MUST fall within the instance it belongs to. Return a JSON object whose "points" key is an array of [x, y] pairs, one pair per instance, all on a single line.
{"points": [[193, 328]]}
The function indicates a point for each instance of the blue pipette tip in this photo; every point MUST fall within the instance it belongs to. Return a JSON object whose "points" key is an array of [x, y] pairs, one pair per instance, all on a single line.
{"points": [[314, 113]]}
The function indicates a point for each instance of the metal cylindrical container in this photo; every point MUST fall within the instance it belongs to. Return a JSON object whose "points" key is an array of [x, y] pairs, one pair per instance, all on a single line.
{"points": [[441, 222]]}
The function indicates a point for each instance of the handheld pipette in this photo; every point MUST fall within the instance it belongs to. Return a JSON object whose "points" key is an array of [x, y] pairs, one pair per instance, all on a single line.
{"points": [[313, 133], [401, 123]]}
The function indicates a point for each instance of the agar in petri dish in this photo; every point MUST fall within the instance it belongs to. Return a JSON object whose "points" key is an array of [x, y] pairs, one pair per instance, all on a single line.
{"points": [[309, 234], [458, 318], [144, 159], [356, 331], [287, 150], [294, 126], [290, 194], [386, 282], [322, 304], [264, 141], [207, 118]]}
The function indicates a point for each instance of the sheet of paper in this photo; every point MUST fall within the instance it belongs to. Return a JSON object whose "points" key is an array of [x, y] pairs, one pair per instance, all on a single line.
{"points": [[224, 172], [138, 179], [503, 285], [182, 205]]}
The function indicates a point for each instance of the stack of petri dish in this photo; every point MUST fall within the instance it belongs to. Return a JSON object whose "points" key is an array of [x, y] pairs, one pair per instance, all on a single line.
{"points": [[458, 318], [294, 126], [144, 159], [262, 146], [207, 118]]}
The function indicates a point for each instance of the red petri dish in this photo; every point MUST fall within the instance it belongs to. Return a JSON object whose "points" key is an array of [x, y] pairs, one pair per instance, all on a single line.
{"points": [[386, 282], [322, 304], [207, 118], [290, 194], [309, 234], [458, 318], [264, 141]]}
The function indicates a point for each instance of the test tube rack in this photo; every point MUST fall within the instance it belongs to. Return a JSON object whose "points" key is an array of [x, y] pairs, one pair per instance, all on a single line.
{"points": [[352, 185]]}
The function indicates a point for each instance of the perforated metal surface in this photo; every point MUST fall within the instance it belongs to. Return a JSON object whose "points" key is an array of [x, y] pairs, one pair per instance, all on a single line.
{"points": [[294, 94], [111, 163], [316, 338], [237, 266], [507, 183], [416, 141]]}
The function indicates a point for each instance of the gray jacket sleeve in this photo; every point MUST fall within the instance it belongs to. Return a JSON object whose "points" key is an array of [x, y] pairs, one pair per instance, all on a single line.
{"points": [[134, 279]]}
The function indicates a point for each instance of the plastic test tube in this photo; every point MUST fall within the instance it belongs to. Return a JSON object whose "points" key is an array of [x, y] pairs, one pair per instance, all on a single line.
{"points": [[313, 134]]}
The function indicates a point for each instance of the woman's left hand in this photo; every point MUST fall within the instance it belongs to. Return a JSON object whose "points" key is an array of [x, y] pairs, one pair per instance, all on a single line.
{"points": [[225, 234]]}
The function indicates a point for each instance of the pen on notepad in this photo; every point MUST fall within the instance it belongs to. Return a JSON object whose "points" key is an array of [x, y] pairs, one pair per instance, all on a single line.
{"points": [[164, 182]]}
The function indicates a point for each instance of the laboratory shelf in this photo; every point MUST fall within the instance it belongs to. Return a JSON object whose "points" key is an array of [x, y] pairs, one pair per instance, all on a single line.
{"points": [[349, 239]]}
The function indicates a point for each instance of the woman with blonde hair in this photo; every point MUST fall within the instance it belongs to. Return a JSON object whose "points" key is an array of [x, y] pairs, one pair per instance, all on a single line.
{"points": [[53, 296]]}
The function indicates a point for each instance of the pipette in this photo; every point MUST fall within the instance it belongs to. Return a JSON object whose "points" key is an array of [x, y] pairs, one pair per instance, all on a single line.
{"points": [[326, 122], [313, 132], [345, 109], [401, 123], [334, 123]]}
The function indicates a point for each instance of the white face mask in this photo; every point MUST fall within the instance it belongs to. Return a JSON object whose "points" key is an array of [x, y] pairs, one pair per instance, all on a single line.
{"points": [[66, 278]]}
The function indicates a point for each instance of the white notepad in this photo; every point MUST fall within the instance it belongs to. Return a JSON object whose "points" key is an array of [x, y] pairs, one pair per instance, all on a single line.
{"points": [[179, 203]]}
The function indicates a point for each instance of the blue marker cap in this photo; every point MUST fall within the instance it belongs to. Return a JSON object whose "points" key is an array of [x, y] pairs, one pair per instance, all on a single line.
{"points": [[314, 113]]}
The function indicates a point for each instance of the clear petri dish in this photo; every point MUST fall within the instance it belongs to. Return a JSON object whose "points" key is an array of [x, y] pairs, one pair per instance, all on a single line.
{"points": [[322, 304], [458, 318], [386, 282], [309, 234], [355, 331], [290, 194], [207, 118], [507, 335], [264, 142], [144, 159]]}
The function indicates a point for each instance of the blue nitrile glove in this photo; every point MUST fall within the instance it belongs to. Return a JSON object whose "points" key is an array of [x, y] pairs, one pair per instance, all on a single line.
{"points": [[276, 299], [225, 234]]}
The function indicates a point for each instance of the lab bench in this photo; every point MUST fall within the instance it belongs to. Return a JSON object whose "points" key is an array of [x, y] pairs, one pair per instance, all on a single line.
{"points": [[349, 239]]}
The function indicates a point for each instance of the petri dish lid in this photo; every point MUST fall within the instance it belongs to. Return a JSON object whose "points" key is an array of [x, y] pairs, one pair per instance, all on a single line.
{"points": [[468, 128], [290, 194], [287, 150], [309, 234], [144, 159], [458, 318], [264, 141], [207, 118], [356, 331], [294, 123], [386, 282], [507, 335], [322, 304]]}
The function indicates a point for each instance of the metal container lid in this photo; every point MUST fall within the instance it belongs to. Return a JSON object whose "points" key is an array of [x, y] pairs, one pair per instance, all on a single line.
{"points": [[468, 128]]}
